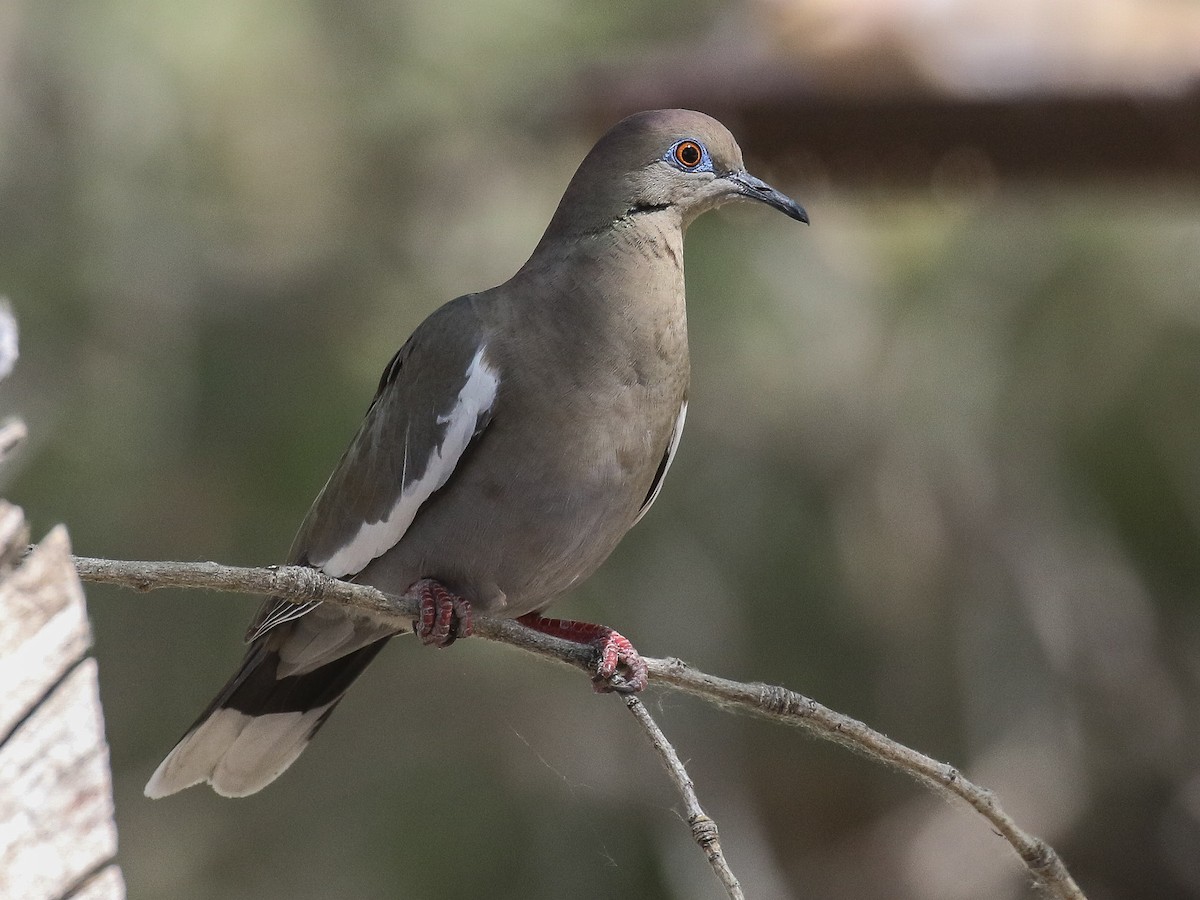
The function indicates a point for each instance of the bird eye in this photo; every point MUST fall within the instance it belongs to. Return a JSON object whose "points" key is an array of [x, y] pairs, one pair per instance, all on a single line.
{"points": [[689, 154]]}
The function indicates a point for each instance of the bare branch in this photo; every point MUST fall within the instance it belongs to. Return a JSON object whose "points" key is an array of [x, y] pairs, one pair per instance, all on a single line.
{"points": [[300, 584], [704, 829], [779, 703]]}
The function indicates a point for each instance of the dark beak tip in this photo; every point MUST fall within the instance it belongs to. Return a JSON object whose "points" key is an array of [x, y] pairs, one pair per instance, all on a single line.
{"points": [[788, 207], [757, 189]]}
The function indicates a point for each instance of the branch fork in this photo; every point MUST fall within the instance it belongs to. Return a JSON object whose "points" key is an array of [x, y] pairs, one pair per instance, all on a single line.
{"points": [[301, 584]]}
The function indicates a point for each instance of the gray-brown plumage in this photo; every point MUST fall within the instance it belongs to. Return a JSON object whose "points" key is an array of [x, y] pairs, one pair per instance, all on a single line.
{"points": [[513, 440]]}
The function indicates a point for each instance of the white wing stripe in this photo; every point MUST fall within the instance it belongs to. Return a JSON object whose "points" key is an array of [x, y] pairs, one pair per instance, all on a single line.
{"points": [[376, 538], [676, 434]]}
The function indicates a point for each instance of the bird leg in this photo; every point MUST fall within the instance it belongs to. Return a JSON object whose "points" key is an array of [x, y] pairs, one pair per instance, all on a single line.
{"points": [[444, 617], [619, 667]]}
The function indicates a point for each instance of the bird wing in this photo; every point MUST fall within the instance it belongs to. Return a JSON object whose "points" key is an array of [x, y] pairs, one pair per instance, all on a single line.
{"points": [[435, 397]]}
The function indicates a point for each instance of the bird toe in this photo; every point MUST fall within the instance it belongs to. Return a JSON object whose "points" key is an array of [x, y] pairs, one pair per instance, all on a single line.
{"points": [[444, 616]]}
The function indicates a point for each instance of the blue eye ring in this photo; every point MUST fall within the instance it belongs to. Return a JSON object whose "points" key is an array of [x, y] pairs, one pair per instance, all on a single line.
{"points": [[689, 156]]}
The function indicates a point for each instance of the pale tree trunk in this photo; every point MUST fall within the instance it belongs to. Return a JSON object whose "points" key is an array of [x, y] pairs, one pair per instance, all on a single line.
{"points": [[57, 834], [58, 839]]}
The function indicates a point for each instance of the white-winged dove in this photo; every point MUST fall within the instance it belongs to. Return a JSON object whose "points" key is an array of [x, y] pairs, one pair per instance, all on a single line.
{"points": [[513, 440]]}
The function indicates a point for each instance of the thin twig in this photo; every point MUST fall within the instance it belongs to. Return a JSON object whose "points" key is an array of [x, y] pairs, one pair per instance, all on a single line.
{"points": [[704, 829], [784, 705], [300, 584]]}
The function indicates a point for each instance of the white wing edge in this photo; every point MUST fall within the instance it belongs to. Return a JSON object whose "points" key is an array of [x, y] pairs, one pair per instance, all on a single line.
{"points": [[376, 538], [676, 434]]}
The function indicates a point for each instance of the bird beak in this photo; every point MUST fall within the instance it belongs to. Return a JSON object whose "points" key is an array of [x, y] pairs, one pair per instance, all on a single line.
{"points": [[757, 189]]}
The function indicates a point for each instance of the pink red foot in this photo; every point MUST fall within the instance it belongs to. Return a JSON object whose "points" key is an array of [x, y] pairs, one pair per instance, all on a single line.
{"points": [[444, 617], [619, 667]]}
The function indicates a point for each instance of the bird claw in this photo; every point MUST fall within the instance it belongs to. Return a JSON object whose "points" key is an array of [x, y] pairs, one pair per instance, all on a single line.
{"points": [[444, 616], [620, 668]]}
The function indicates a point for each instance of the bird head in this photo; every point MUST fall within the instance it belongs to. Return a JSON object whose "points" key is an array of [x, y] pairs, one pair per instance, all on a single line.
{"points": [[673, 160]]}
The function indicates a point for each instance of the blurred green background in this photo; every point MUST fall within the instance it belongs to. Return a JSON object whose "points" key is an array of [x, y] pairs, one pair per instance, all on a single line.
{"points": [[941, 470]]}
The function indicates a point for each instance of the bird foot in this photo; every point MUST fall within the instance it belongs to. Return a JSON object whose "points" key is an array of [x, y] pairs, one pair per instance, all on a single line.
{"points": [[444, 616], [619, 667]]}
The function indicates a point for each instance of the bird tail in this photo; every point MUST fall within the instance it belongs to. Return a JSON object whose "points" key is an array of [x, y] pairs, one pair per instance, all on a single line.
{"points": [[286, 688]]}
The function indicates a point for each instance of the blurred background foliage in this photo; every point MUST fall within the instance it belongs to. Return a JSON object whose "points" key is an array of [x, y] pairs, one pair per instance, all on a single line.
{"points": [[941, 468]]}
